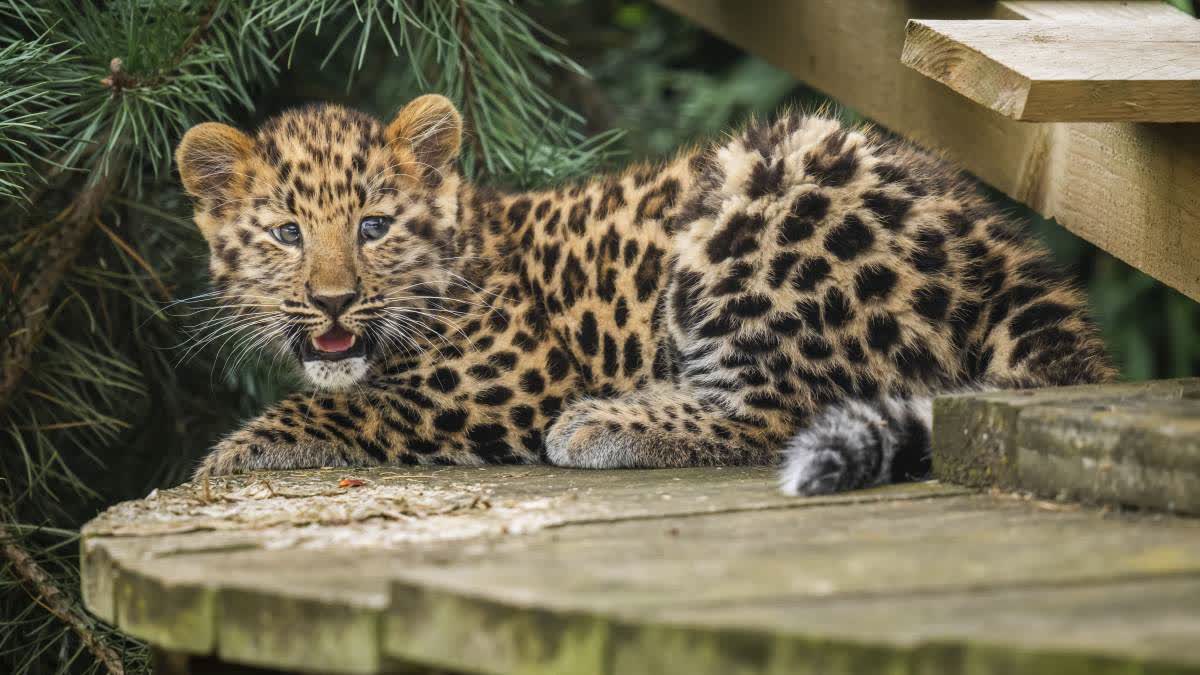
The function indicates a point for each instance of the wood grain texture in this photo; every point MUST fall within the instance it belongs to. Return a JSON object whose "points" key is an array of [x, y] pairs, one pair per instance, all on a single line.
{"points": [[693, 571], [1042, 71], [1129, 188], [1128, 444], [1091, 11]]}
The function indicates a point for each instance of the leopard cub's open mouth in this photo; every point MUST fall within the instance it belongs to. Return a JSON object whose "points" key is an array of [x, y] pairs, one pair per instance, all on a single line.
{"points": [[335, 344]]}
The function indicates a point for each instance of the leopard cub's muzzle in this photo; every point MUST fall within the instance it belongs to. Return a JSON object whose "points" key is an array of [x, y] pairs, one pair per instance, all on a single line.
{"points": [[333, 355]]}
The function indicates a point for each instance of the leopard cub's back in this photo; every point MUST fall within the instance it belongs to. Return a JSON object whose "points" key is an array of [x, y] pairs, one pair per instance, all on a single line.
{"points": [[815, 263]]}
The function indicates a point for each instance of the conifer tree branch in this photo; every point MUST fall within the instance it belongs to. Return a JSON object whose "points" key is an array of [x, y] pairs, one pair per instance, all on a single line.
{"points": [[466, 71], [118, 80], [73, 226], [47, 594], [29, 316]]}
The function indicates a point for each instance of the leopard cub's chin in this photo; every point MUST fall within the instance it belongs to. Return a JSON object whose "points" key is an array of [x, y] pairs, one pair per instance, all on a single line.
{"points": [[340, 374]]}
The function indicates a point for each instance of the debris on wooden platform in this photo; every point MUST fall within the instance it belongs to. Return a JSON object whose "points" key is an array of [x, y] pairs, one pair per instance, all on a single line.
{"points": [[547, 570]]}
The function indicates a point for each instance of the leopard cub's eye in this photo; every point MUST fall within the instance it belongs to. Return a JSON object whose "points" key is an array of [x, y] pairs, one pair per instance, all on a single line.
{"points": [[288, 233], [373, 227]]}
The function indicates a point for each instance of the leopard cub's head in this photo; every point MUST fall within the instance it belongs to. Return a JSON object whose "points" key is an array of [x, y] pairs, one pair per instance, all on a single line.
{"points": [[332, 235]]}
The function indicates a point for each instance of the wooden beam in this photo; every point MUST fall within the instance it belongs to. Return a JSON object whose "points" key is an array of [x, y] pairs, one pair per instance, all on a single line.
{"points": [[1132, 444], [1085, 11], [1040, 71], [1131, 189]]}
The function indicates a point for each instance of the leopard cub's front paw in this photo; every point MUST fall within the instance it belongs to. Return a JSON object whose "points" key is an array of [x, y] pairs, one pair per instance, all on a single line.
{"points": [[229, 456], [245, 451], [583, 438]]}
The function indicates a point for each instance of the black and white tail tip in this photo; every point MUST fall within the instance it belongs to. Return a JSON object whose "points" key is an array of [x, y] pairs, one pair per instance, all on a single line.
{"points": [[857, 444]]}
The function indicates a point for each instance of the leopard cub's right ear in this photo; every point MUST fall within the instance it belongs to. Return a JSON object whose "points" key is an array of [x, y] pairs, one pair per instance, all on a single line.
{"points": [[208, 159]]}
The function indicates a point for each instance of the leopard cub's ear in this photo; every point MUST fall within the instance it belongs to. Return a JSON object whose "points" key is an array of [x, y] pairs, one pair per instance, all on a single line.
{"points": [[427, 131], [208, 158]]}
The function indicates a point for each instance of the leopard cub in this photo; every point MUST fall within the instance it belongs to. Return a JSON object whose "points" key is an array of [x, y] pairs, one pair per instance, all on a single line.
{"points": [[793, 294]]}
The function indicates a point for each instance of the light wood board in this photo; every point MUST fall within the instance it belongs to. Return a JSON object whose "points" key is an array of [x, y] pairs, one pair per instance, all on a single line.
{"points": [[1049, 71]]}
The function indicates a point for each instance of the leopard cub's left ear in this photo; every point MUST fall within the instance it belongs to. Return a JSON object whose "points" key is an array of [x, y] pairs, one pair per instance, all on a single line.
{"points": [[208, 158], [428, 132]]}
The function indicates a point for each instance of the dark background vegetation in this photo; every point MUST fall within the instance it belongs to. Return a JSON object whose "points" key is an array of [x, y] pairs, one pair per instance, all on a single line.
{"points": [[110, 409]]}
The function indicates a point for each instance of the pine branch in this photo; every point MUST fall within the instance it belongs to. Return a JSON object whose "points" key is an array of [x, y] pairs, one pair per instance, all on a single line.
{"points": [[118, 80], [76, 222], [72, 228], [35, 76], [466, 72], [489, 56], [45, 593]]}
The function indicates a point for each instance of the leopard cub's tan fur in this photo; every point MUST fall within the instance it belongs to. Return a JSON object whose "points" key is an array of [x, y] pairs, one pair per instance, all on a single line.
{"points": [[794, 293]]}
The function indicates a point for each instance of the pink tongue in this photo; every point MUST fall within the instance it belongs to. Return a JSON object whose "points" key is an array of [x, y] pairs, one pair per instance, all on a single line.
{"points": [[337, 339]]}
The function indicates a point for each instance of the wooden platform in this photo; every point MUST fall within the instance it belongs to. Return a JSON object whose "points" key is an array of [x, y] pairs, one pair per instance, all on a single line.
{"points": [[545, 570]]}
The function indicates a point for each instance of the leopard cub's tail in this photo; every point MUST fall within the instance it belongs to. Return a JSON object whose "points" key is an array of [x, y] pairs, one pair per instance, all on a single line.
{"points": [[856, 444]]}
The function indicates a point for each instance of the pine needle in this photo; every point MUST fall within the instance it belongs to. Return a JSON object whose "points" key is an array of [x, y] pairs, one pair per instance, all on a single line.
{"points": [[129, 250]]}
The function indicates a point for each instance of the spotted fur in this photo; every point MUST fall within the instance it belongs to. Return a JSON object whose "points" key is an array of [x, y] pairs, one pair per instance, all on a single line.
{"points": [[798, 288]]}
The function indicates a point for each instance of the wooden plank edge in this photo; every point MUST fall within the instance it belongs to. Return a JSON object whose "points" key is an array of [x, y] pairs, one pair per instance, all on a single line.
{"points": [[478, 634], [238, 625], [931, 50], [1091, 10], [298, 633], [1083, 456], [1022, 440], [176, 616], [96, 575], [939, 57]]}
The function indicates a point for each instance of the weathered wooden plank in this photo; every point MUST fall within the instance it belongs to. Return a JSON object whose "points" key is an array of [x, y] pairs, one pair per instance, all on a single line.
{"points": [[1134, 444], [899, 587], [286, 570], [231, 595], [919, 546], [1039, 71], [1036, 617], [96, 576], [538, 569], [1128, 188], [335, 626], [946, 634]]}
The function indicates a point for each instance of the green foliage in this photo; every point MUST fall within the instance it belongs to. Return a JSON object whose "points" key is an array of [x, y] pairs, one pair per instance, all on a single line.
{"points": [[477, 52], [1188, 6], [34, 76], [120, 82]]}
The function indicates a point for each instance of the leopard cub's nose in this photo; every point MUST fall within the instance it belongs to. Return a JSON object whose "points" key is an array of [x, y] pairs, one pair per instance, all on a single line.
{"points": [[333, 305]]}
